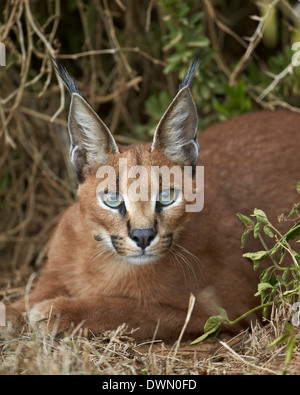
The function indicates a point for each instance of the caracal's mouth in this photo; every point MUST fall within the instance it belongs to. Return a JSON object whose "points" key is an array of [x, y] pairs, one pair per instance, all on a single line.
{"points": [[142, 258], [137, 257]]}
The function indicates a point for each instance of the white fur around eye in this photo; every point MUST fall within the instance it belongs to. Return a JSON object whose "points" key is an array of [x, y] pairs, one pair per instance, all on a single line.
{"points": [[102, 204], [113, 200]]}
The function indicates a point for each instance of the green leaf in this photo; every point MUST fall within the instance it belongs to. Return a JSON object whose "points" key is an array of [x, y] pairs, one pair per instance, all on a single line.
{"points": [[260, 216], [212, 326], [298, 187], [268, 231], [245, 236], [164, 99], [291, 292], [290, 350], [262, 287], [213, 322], [257, 229], [291, 213], [259, 213], [212, 332], [200, 42], [256, 256], [283, 250], [246, 220], [222, 110], [281, 339], [293, 232], [223, 313], [265, 275], [286, 274], [196, 17], [256, 265], [175, 40], [265, 312]]}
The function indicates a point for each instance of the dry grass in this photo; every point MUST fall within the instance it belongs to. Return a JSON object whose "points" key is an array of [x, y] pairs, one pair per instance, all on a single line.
{"points": [[116, 353]]}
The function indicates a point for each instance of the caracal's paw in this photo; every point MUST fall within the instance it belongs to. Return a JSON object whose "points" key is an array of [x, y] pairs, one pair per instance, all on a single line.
{"points": [[12, 322], [50, 317]]}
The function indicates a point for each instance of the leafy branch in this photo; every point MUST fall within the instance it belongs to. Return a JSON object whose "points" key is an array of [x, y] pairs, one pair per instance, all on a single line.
{"points": [[279, 282]]}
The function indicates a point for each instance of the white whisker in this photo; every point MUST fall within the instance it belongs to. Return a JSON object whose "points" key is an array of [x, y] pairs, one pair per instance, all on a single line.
{"points": [[186, 259], [195, 258], [171, 254]]}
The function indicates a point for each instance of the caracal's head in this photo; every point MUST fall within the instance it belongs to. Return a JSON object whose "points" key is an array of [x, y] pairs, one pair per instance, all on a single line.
{"points": [[134, 199]]}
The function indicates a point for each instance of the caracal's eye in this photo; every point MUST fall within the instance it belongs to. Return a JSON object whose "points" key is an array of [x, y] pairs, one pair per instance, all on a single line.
{"points": [[167, 197], [113, 199]]}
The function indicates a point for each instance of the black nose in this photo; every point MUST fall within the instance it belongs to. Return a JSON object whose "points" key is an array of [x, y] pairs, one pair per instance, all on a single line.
{"points": [[143, 237]]}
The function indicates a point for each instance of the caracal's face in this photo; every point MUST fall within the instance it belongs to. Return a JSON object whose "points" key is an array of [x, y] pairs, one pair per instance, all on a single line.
{"points": [[133, 217], [131, 212]]}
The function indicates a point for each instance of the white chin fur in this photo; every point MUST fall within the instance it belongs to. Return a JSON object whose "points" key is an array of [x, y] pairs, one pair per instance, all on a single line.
{"points": [[141, 259]]}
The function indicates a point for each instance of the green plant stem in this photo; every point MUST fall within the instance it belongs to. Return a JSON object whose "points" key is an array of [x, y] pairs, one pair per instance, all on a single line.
{"points": [[272, 227], [249, 312], [267, 249]]}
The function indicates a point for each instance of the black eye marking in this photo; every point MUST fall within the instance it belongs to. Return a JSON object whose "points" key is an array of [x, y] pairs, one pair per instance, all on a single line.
{"points": [[158, 207], [122, 209], [128, 227], [97, 238]]}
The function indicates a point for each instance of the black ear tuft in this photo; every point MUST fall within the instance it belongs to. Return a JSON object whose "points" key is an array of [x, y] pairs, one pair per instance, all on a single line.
{"points": [[65, 77], [192, 69], [91, 140], [176, 133]]}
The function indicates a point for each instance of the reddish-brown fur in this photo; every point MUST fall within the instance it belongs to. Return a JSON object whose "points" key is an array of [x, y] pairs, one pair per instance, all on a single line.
{"points": [[250, 162]]}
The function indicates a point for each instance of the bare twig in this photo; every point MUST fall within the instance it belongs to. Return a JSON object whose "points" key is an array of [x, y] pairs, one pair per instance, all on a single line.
{"points": [[51, 51], [112, 51], [187, 320], [276, 80], [211, 20], [117, 92], [254, 40], [245, 362]]}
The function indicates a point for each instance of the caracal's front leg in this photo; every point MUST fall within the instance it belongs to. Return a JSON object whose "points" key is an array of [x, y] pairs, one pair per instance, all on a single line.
{"points": [[98, 314], [15, 314]]}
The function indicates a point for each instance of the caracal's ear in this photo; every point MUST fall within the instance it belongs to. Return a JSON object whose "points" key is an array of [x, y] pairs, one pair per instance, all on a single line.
{"points": [[176, 133], [91, 140]]}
